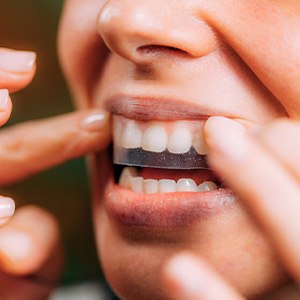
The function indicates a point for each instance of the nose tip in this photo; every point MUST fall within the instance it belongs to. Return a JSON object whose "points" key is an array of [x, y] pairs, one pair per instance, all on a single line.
{"points": [[136, 29]]}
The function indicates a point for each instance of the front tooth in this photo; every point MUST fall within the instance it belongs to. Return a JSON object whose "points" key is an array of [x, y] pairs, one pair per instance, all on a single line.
{"points": [[186, 185], [167, 186], [136, 185], [180, 140], [132, 135], [207, 186], [155, 139], [126, 174], [150, 186]]}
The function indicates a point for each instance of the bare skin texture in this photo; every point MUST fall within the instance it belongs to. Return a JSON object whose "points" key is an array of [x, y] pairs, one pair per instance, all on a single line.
{"points": [[30, 249], [238, 62]]}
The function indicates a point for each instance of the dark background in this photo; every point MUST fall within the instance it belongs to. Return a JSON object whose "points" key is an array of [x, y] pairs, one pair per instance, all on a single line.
{"points": [[32, 25]]}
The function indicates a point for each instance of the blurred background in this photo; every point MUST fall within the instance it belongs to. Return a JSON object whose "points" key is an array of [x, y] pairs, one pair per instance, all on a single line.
{"points": [[32, 25]]}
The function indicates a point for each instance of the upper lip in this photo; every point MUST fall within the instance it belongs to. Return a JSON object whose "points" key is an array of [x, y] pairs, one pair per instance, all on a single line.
{"points": [[158, 108]]}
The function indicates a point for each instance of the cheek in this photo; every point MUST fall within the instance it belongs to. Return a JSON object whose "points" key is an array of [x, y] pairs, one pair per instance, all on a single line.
{"points": [[81, 50]]}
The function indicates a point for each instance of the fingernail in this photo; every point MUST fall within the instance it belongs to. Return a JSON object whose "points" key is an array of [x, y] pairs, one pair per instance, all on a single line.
{"points": [[227, 137], [185, 271], [95, 121], [15, 245], [7, 207], [17, 61], [4, 96]]}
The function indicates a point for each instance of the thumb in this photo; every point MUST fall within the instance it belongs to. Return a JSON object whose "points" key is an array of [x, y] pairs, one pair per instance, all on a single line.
{"points": [[30, 244]]}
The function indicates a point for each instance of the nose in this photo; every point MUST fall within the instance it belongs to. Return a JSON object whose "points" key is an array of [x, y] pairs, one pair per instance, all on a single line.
{"points": [[138, 29]]}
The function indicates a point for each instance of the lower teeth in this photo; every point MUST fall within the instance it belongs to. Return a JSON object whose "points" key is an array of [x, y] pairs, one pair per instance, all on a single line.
{"points": [[129, 179]]}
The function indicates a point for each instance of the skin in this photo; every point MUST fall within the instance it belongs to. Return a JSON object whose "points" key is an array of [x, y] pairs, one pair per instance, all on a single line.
{"points": [[244, 58], [33, 273]]}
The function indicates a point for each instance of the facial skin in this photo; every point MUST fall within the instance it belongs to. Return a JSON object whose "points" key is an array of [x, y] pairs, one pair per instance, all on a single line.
{"points": [[225, 63]]}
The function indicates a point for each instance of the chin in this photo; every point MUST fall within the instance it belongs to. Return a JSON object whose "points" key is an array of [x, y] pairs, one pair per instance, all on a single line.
{"points": [[161, 78], [134, 250]]}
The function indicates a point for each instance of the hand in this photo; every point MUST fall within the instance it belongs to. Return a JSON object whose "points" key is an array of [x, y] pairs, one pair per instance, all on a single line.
{"points": [[30, 248], [270, 188]]}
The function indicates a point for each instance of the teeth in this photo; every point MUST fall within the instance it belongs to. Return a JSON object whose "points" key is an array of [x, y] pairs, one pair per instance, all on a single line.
{"points": [[150, 186], [176, 137], [180, 140], [167, 186], [132, 135], [129, 179], [186, 185], [155, 138], [207, 186], [136, 184], [127, 173]]}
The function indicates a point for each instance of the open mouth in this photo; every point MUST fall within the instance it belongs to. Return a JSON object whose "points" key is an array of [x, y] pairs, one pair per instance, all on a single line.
{"points": [[164, 157], [161, 174]]}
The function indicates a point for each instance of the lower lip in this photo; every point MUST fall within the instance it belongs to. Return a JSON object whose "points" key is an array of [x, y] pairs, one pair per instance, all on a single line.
{"points": [[165, 210]]}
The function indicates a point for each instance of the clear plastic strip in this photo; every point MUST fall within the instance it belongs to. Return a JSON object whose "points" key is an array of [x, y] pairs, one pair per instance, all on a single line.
{"points": [[166, 160]]}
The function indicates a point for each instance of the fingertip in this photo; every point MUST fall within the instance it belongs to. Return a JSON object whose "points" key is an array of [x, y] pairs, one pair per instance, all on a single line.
{"points": [[16, 250], [96, 128], [192, 278], [12, 61], [183, 276], [227, 141], [95, 121], [5, 106], [17, 68], [7, 209], [28, 240]]}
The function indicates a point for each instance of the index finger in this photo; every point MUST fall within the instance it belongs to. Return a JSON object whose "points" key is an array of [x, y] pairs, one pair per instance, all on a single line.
{"points": [[262, 181], [29, 148]]}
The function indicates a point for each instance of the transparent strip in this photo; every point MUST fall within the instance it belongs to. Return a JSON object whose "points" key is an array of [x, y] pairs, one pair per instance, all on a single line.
{"points": [[166, 160]]}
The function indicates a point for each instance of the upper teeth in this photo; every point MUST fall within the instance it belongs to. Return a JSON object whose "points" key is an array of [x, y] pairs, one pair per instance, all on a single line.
{"points": [[129, 179], [176, 137]]}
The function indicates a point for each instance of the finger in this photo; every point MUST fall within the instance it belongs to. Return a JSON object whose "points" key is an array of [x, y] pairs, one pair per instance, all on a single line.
{"points": [[5, 106], [29, 244], [281, 139], [188, 277], [17, 68], [262, 182], [7, 209], [29, 148]]}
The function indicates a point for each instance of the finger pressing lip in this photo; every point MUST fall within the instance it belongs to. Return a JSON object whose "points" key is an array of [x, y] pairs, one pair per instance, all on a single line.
{"points": [[263, 182], [34, 146]]}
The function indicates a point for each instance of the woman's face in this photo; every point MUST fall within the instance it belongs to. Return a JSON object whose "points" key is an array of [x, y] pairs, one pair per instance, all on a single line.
{"points": [[159, 63]]}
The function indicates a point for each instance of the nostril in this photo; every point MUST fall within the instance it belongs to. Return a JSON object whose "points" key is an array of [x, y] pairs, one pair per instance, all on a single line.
{"points": [[158, 49]]}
